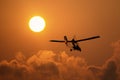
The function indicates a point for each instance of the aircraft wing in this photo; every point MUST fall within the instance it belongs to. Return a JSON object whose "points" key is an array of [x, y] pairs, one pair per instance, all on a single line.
{"points": [[94, 37], [57, 41]]}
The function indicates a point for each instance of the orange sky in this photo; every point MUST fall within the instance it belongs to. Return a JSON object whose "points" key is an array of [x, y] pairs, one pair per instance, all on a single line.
{"points": [[83, 18]]}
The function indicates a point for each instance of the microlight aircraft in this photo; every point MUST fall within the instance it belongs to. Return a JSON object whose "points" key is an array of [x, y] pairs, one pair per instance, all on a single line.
{"points": [[74, 42]]}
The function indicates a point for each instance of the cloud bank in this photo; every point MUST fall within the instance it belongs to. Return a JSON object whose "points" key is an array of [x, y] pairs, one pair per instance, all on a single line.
{"points": [[47, 65]]}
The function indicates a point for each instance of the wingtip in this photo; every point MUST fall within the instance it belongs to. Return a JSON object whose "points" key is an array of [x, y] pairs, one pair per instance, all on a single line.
{"points": [[99, 36], [50, 40]]}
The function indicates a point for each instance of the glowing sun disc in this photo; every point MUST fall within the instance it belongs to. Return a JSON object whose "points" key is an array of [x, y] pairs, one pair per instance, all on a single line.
{"points": [[37, 24]]}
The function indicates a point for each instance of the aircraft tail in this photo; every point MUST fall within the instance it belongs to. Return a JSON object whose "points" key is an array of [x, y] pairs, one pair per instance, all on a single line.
{"points": [[66, 40]]}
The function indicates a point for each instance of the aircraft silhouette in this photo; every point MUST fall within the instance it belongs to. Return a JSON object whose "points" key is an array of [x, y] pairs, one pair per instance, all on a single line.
{"points": [[74, 42]]}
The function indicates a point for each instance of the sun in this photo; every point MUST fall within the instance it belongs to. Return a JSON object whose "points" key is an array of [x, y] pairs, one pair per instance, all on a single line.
{"points": [[37, 24]]}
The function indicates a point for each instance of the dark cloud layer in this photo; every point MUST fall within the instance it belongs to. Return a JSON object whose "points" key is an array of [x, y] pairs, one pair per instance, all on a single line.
{"points": [[47, 65]]}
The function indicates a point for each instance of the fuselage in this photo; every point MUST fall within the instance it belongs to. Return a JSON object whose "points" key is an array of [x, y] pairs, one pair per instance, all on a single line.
{"points": [[75, 45]]}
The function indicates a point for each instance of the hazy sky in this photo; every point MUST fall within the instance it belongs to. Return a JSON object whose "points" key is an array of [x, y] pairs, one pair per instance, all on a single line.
{"points": [[83, 18], [26, 55]]}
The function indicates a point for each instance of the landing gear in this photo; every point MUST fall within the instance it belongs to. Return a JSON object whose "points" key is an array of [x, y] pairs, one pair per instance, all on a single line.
{"points": [[70, 49]]}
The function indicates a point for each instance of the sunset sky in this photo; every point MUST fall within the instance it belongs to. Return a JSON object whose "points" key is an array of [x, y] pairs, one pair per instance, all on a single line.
{"points": [[80, 18]]}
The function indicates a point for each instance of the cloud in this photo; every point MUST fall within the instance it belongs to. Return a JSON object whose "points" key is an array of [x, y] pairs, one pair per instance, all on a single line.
{"points": [[47, 65], [110, 71], [12, 70]]}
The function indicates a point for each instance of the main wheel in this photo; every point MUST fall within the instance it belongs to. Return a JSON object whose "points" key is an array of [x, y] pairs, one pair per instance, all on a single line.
{"points": [[70, 49]]}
